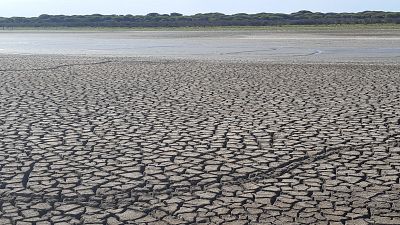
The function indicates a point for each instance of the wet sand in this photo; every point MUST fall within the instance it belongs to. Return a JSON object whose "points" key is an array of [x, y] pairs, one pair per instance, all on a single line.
{"points": [[124, 140]]}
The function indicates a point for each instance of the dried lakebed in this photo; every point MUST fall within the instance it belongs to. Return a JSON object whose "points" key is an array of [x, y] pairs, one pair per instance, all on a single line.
{"points": [[127, 141]]}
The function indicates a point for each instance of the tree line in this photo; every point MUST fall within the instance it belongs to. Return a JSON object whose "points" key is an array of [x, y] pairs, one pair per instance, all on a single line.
{"points": [[206, 19]]}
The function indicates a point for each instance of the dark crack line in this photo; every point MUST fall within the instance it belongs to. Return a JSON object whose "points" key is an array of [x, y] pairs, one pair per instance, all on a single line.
{"points": [[287, 166], [317, 52], [56, 67], [27, 174], [250, 51], [293, 164], [270, 173], [251, 177]]}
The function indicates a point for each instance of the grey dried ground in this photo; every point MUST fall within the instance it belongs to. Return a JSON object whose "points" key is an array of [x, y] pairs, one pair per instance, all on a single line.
{"points": [[127, 141]]}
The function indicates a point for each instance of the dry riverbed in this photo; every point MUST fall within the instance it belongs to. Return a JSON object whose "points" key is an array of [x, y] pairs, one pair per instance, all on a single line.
{"points": [[87, 140]]}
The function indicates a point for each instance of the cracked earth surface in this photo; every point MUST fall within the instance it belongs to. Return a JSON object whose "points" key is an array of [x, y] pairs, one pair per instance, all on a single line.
{"points": [[124, 141]]}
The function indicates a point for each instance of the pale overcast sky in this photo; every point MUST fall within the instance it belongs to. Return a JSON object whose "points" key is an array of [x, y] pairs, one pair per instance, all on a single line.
{"points": [[140, 7]]}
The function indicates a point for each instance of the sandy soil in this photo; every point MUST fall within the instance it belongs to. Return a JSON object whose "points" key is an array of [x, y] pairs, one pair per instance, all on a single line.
{"points": [[135, 141]]}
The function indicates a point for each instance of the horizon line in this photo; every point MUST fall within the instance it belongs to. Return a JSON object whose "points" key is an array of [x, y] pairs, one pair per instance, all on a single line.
{"points": [[169, 14]]}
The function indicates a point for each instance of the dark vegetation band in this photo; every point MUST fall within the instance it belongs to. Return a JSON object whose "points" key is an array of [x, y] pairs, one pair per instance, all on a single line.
{"points": [[207, 19]]}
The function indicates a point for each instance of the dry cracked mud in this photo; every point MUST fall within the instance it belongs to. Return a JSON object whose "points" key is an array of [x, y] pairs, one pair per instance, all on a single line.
{"points": [[127, 141]]}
